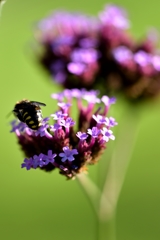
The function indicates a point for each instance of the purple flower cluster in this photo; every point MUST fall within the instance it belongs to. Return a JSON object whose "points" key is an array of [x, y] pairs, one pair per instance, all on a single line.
{"points": [[65, 145], [69, 46], [83, 52]]}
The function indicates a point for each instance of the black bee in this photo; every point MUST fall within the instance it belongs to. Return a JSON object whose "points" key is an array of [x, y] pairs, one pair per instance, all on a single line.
{"points": [[29, 112]]}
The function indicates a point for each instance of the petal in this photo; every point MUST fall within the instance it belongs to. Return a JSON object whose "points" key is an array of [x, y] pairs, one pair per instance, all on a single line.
{"points": [[112, 137], [63, 159], [65, 148], [50, 153], [74, 151], [62, 154], [54, 155], [71, 158]]}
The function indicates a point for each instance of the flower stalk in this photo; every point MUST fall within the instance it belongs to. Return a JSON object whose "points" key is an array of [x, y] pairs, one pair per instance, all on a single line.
{"points": [[105, 202], [119, 163]]}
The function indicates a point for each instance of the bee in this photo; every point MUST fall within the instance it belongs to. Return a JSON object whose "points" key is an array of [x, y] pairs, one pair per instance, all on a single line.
{"points": [[29, 112]]}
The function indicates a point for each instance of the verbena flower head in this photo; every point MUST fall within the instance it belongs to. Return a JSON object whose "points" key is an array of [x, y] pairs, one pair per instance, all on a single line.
{"points": [[70, 42], [83, 52], [65, 144]]}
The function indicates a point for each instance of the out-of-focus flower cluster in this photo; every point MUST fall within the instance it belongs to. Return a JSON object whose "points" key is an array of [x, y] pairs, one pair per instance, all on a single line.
{"points": [[65, 145], [81, 51]]}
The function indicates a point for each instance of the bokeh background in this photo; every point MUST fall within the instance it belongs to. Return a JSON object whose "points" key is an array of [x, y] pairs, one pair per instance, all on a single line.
{"points": [[36, 205]]}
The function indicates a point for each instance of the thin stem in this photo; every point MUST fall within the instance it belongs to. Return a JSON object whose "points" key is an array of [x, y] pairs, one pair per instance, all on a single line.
{"points": [[93, 194], [91, 191], [106, 229], [118, 166]]}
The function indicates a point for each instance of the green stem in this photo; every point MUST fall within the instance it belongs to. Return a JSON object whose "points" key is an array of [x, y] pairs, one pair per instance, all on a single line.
{"points": [[106, 229], [93, 195], [118, 166], [91, 191]]}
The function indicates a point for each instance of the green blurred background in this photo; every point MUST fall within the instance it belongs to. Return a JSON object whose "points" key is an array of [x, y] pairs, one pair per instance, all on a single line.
{"points": [[36, 205]]}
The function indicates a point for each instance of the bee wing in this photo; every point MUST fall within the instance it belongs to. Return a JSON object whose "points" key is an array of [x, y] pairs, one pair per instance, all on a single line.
{"points": [[38, 103]]}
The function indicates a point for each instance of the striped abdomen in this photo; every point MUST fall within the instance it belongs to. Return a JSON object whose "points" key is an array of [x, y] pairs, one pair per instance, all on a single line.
{"points": [[33, 119]]}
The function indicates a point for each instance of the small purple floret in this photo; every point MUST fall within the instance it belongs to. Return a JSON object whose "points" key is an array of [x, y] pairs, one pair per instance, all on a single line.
{"points": [[27, 163], [87, 56], [142, 58], [59, 115], [67, 123], [68, 154], [45, 120], [76, 68], [122, 54], [42, 131], [107, 134], [64, 106], [20, 126], [55, 127], [94, 132], [81, 136], [108, 101], [91, 97], [76, 93], [58, 96], [112, 122], [37, 161], [156, 62], [101, 119], [49, 158]]}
